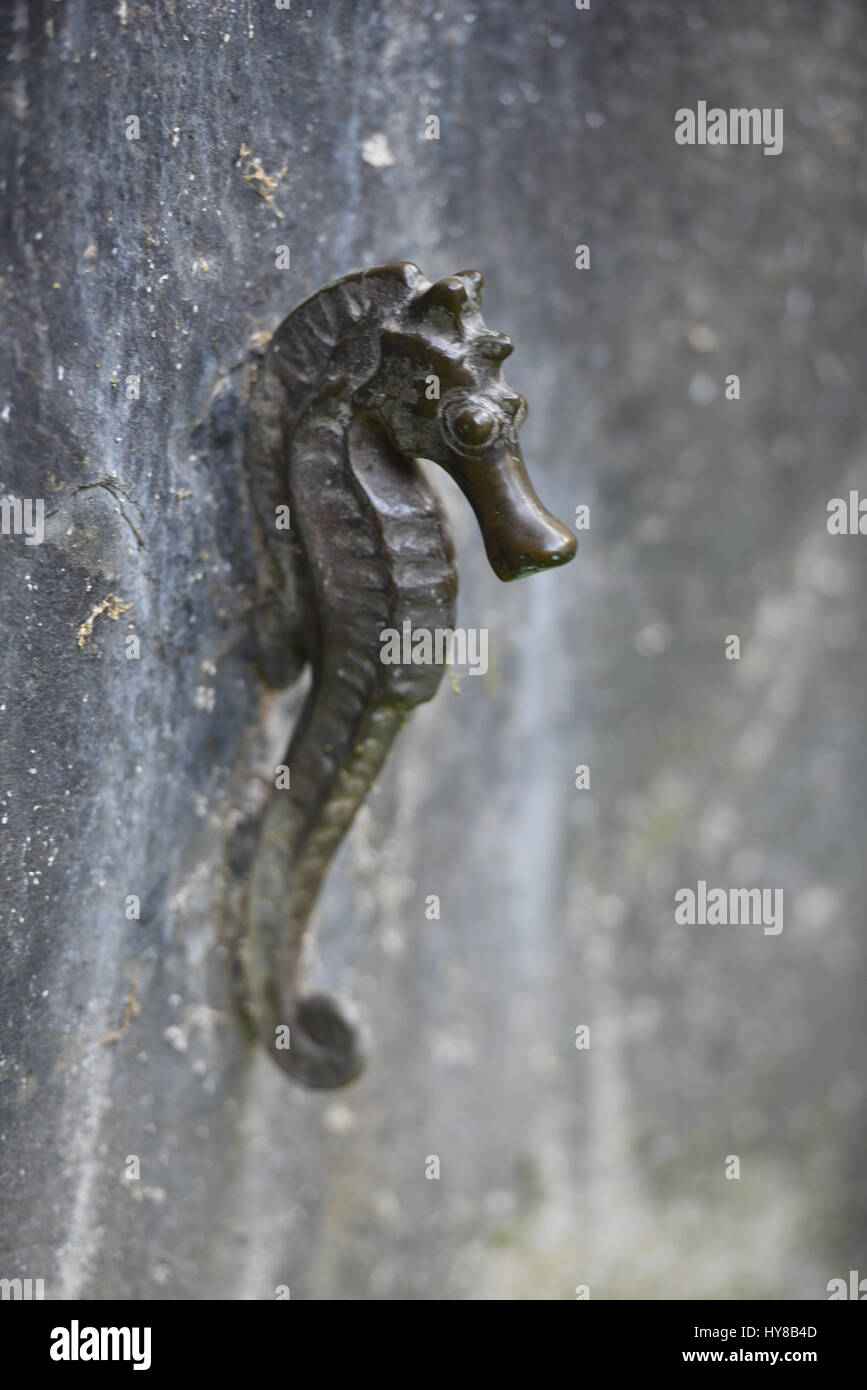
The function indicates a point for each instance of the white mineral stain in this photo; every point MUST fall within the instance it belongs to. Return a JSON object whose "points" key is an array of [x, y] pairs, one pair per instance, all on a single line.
{"points": [[375, 151]]}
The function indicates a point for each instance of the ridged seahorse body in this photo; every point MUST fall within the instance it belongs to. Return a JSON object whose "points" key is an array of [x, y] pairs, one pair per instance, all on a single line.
{"points": [[376, 371]]}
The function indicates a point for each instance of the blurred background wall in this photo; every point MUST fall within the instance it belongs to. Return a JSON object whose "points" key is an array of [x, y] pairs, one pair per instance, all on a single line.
{"points": [[603, 1166]]}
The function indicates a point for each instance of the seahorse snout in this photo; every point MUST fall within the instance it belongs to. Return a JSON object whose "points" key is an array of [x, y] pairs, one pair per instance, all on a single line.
{"points": [[553, 544], [521, 536]]}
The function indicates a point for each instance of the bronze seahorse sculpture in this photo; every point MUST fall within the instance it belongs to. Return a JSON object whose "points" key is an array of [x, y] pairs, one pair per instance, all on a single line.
{"points": [[376, 371]]}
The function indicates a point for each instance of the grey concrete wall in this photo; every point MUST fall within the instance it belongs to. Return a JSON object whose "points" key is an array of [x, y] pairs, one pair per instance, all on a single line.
{"points": [[559, 1167]]}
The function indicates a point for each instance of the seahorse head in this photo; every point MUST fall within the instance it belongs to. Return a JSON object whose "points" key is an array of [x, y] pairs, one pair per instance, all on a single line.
{"points": [[439, 393]]}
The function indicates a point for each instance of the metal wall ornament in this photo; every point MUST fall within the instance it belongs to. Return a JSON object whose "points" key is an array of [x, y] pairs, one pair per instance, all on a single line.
{"points": [[374, 372]]}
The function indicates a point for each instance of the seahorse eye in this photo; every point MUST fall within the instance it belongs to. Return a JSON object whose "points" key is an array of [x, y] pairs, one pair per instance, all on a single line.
{"points": [[474, 426], [469, 424]]}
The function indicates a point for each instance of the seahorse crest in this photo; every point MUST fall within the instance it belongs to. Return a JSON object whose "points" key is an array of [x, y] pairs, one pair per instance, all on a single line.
{"points": [[441, 345]]}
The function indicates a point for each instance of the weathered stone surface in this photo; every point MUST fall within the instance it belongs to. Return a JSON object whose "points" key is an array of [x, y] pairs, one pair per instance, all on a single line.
{"points": [[156, 257]]}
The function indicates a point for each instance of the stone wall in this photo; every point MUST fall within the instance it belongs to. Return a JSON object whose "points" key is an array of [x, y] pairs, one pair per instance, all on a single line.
{"points": [[154, 258]]}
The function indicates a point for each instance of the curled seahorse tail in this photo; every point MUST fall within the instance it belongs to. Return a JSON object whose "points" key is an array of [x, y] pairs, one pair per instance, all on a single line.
{"points": [[326, 1050], [334, 759]]}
